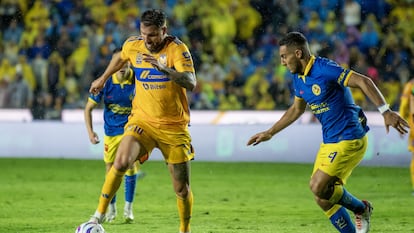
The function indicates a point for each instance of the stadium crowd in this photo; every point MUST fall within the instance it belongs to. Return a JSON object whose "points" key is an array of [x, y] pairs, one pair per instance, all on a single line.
{"points": [[51, 50]]}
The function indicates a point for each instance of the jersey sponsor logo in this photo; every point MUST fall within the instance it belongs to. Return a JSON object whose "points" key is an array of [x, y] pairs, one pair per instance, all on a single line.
{"points": [[116, 108], [150, 86], [319, 108], [138, 60], [150, 75], [316, 89]]}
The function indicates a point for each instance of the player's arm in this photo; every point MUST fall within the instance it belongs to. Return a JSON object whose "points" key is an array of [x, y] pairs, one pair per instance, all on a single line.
{"points": [[367, 86], [185, 79], [291, 115], [115, 64], [90, 105]]}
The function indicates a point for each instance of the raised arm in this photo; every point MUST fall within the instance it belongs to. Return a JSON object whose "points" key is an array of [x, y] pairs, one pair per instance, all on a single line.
{"points": [[115, 64], [291, 115]]}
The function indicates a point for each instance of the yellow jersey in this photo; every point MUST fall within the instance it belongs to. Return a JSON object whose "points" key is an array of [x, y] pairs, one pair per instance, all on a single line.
{"points": [[159, 100]]}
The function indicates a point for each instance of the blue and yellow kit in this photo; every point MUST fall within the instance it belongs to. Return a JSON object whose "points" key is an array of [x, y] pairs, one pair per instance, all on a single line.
{"points": [[117, 99], [340, 117]]}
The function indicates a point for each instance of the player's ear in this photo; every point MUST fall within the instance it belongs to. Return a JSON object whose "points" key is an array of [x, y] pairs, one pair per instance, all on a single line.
{"points": [[299, 53]]}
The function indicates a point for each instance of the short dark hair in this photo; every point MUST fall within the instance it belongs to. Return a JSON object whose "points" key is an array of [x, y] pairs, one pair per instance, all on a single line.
{"points": [[154, 17], [296, 39]]}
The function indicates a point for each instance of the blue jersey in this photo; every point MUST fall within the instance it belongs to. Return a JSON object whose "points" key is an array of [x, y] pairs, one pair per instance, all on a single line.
{"points": [[117, 98], [324, 87]]}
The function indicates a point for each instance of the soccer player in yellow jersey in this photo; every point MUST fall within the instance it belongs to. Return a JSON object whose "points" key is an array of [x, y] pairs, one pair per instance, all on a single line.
{"points": [[117, 98], [164, 72], [407, 111]]}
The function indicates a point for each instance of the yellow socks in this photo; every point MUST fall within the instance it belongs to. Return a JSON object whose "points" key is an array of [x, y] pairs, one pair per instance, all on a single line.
{"points": [[112, 182], [337, 194], [185, 209]]}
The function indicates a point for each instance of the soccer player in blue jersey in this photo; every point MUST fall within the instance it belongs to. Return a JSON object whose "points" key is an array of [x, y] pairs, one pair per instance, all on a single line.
{"points": [[164, 72], [323, 85], [117, 97]]}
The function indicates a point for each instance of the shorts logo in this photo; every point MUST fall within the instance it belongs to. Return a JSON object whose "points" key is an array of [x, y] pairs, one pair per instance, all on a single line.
{"points": [[316, 90], [186, 55], [135, 128]]}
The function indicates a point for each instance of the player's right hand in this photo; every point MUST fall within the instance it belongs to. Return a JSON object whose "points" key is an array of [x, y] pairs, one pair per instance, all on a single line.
{"points": [[259, 137], [94, 138], [97, 86]]}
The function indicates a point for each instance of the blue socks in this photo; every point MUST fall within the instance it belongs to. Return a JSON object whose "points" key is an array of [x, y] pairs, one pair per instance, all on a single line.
{"points": [[130, 184], [342, 221], [351, 203]]}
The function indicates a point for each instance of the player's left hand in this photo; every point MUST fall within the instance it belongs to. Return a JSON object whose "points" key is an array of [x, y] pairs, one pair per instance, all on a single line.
{"points": [[154, 62], [393, 119], [259, 137]]}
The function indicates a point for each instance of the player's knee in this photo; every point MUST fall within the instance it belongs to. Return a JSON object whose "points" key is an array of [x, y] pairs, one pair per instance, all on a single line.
{"points": [[317, 188], [122, 163], [182, 191]]}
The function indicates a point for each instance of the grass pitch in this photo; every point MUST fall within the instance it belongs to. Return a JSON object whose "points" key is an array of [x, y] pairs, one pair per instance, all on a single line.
{"points": [[56, 195]]}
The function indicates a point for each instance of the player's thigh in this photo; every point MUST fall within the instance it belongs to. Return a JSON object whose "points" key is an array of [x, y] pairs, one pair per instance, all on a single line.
{"points": [[128, 150], [111, 144], [339, 159], [175, 146]]}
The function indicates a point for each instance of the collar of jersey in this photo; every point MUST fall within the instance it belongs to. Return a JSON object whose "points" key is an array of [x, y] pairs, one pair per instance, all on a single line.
{"points": [[308, 68], [129, 80]]}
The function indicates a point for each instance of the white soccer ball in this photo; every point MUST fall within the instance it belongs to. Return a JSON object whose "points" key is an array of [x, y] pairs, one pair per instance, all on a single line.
{"points": [[90, 227]]}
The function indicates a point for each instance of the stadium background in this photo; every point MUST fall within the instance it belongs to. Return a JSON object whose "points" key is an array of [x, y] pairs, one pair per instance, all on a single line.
{"points": [[51, 51]]}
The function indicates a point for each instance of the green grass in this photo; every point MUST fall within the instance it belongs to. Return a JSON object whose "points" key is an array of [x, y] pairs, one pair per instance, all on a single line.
{"points": [[56, 195]]}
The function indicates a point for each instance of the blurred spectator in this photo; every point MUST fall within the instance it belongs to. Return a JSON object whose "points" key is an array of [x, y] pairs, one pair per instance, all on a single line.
{"points": [[20, 94], [4, 94], [352, 13], [13, 32], [9, 11]]}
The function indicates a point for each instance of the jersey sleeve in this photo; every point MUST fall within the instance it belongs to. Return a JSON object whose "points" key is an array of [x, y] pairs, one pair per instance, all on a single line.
{"points": [[95, 98], [183, 61], [127, 46], [337, 73]]}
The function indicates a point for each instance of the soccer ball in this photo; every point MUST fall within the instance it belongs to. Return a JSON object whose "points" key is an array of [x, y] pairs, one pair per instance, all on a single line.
{"points": [[90, 227]]}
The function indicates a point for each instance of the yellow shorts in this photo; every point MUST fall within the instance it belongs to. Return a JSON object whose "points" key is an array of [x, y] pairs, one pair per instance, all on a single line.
{"points": [[339, 159], [111, 144], [173, 142]]}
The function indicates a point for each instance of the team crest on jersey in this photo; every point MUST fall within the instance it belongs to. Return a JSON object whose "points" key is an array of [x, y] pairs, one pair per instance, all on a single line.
{"points": [[163, 59], [139, 59], [316, 89]]}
